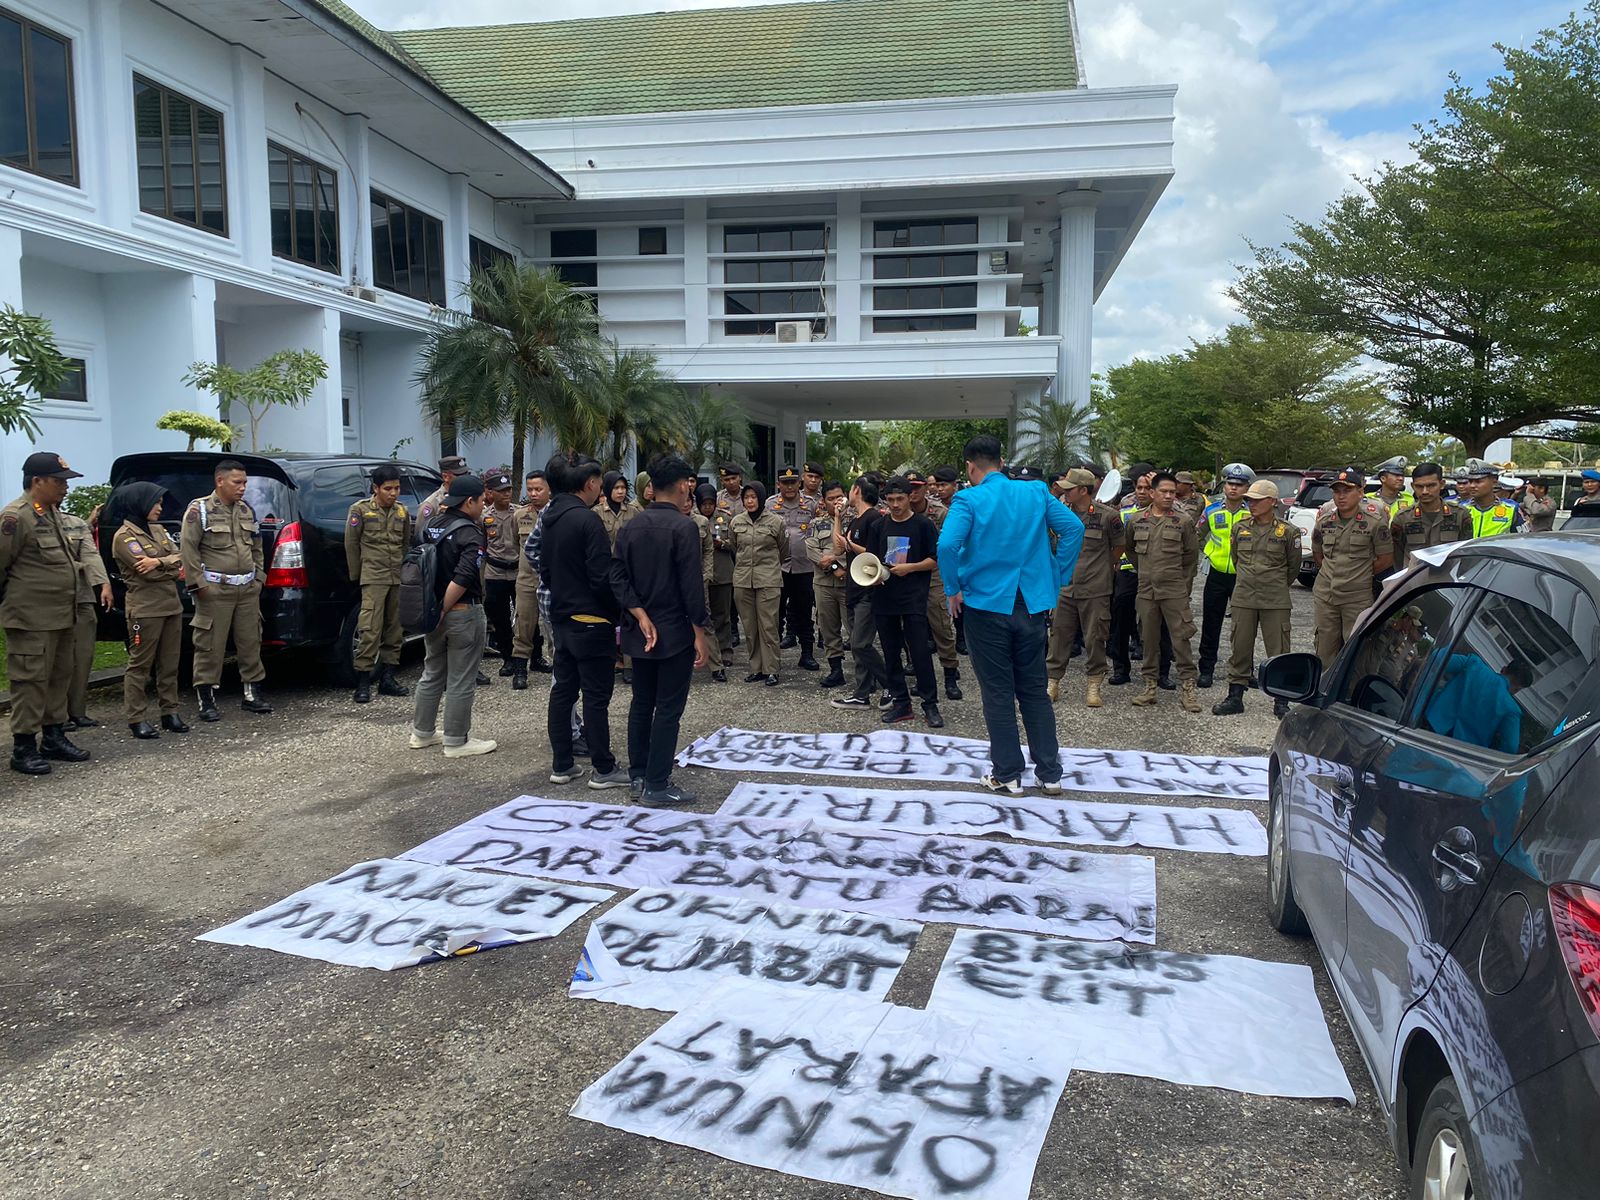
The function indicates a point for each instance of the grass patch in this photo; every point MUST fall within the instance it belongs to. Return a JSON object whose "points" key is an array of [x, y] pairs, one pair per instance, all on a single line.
{"points": [[106, 654]]}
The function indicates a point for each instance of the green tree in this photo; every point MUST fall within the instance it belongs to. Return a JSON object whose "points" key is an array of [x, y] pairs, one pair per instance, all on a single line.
{"points": [[1050, 435], [35, 366], [1149, 411], [712, 429], [842, 448], [285, 379], [197, 427], [525, 362], [640, 405], [930, 444]]}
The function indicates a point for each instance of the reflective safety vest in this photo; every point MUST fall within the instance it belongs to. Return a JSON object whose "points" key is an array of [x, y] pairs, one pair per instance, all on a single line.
{"points": [[1219, 534], [1127, 509], [1396, 506], [1501, 517]]}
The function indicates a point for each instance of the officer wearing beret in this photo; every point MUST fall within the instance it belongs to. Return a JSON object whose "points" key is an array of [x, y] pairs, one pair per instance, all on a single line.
{"points": [[38, 599], [1537, 507], [1084, 605], [1588, 503], [377, 531]]}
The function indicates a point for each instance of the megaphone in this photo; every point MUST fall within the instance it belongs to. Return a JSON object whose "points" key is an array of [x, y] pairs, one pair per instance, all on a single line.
{"points": [[1110, 487], [868, 570]]}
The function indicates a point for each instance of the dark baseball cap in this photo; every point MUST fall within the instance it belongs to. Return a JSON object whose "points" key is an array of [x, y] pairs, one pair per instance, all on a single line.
{"points": [[463, 488], [899, 485], [52, 466], [496, 481], [946, 475], [1351, 476]]}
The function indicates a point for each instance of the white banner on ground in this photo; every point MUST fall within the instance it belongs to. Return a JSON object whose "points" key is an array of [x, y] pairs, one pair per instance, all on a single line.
{"points": [[1212, 1020], [894, 1100], [890, 754], [389, 914], [1039, 819], [661, 949], [966, 881]]}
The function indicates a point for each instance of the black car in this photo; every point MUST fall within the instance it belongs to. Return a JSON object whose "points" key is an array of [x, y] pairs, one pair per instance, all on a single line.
{"points": [[1435, 824], [301, 501]]}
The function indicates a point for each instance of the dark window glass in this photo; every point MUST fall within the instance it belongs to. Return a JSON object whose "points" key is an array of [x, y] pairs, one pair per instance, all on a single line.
{"points": [[334, 489], [579, 275], [923, 266], [952, 295], [740, 241], [740, 270], [74, 385], [573, 243], [653, 240], [327, 219], [484, 255], [937, 323], [36, 111], [777, 302], [1390, 660], [773, 239], [182, 175], [407, 251], [305, 209], [958, 231]]}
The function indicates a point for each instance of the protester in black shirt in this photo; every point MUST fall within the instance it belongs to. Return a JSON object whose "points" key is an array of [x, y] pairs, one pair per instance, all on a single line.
{"points": [[455, 645], [576, 562], [849, 542], [907, 543], [660, 583]]}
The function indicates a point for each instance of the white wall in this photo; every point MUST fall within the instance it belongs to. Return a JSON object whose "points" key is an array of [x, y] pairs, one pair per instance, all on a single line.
{"points": [[81, 433]]}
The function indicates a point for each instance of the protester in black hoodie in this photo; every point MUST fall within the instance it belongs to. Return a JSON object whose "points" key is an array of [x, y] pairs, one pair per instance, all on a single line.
{"points": [[576, 557]]}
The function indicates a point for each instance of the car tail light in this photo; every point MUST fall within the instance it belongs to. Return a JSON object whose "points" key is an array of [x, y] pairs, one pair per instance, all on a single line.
{"points": [[1576, 910], [288, 569]]}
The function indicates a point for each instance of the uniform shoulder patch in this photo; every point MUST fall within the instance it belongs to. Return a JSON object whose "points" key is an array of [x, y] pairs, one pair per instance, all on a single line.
{"points": [[192, 516], [8, 524]]}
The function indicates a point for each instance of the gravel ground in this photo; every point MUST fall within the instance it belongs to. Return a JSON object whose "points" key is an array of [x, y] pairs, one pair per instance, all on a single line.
{"points": [[140, 1063]]}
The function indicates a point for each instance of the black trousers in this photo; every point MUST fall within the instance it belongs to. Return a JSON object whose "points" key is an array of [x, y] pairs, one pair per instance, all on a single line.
{"points": [[908, 631], [1213, 608], [794, 606], [584, 658], [497, 597], [1125, 623], [660, 690]]}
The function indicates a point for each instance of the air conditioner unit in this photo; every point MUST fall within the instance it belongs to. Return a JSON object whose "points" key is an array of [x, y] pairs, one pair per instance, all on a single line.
{"points": [[793, 332]]}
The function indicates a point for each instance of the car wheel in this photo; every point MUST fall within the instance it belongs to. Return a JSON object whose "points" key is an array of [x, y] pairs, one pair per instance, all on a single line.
{"points": [[1286, 913], [1444, 1158]]}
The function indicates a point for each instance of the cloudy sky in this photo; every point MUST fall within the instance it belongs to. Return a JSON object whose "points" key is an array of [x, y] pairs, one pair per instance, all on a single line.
{"points": [[1280, 103]]}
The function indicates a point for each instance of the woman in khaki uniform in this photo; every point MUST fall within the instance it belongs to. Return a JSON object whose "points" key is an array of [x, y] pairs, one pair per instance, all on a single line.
{"points": [[760, 548], [614, 507], [151, 567]]}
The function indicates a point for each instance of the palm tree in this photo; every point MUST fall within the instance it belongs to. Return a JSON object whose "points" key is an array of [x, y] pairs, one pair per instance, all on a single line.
{"points": [[518, 359], [713, 428], [639, 402], [1050, 435]]}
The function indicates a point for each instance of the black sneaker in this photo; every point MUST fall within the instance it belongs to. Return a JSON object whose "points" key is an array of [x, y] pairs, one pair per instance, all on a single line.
{"points": [[720, 676], [851, 702], [671, 794], [931, 714], [1119, 677], [897, 713], [1168, 683], [885, 700]]}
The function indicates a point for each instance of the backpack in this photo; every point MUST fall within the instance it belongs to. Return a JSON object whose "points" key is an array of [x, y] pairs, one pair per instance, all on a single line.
{"points": [[421, 596]]}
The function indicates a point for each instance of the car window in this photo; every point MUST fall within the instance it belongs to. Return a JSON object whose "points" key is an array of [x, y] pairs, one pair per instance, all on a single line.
{"points": [[1388, 663], [333, 490], [1315, 495], [1517, 674], [415, 488], [269, 498]]}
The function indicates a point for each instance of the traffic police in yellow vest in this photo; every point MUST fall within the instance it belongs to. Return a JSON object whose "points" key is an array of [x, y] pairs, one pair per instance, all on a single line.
{"points": [[1490, 514], [1216, 526], [1392, 485], [377, 531]]}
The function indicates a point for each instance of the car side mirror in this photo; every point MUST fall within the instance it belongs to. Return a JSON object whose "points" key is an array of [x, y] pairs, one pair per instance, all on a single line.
{"points": [[1291, 676]]}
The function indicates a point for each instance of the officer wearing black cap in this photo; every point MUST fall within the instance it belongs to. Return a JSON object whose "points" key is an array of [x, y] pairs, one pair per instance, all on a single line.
{"points": [[501, 546], [942, 486], [450, 466], [1351, 542], [729, 506], [796, 509], [811, 480], [38, 595]]}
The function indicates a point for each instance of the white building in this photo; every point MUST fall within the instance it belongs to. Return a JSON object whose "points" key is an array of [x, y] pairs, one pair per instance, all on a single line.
{"points": [[831, 209]]}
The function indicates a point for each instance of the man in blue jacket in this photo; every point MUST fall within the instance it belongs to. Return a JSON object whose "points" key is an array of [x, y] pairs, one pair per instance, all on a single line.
{"points": [[1006, 550]]}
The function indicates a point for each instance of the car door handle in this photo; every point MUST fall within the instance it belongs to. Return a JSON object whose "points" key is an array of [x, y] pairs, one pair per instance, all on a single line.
{"points": [[1344, 799], [1457, 863]]}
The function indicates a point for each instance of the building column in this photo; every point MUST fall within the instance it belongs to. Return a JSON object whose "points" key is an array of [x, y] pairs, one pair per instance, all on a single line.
{"points": [[14, 447], [457, 257], [248, 187], [357, 250], [105, 128], [1049, 320], [847, 268], [696, 274], [1075, 297], [1021, 430]]}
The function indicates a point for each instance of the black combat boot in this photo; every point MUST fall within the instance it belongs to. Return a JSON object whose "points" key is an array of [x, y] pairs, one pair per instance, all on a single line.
{"points": [[1207, 677], [53, 743], [254, 701], [952, 683], [1233, 705], [1168, 683], [808, 660], [207, 697], [143, 730], [1119, 676], [1280, 709], [25, 756], [835, 676], [363, 693], [173, 723], [931, 714], [508, 668], [388, 685], [519, 674], [788, 642]]}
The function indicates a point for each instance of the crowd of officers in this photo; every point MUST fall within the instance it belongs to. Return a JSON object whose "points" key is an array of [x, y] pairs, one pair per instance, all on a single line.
{"points": [[776, 571]]}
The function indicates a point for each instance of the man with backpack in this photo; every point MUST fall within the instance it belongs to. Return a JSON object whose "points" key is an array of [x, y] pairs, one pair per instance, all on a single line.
{"points": [[450, 560]]}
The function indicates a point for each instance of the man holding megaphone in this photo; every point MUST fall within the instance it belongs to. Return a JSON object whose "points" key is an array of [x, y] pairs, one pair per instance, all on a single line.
{"points": [[897, 568]]}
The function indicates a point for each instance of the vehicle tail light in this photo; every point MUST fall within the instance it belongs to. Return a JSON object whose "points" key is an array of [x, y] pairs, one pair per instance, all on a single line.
{"points": [[288, 569], [1576, 911]]}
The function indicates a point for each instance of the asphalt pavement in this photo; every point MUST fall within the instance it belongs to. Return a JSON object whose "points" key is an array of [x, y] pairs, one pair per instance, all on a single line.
{"points": [[141, 1063]]}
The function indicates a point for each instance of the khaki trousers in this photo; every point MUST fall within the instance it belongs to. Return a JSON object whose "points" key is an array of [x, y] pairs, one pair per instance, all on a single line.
{"points": [[525, 630], [833, 629], [1274, 626], [940, 627], [378, 632], [40, 665], [713, 646], [154, 644], [758, 613], [1092, 616], [1334, 621], [222, 610], [83, 631], [1180, 625]]}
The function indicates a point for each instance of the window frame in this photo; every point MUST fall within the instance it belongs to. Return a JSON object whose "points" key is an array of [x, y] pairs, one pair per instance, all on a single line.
{"points": [[654, 231], [294, 155], [908, 224], [389, 202], [1338, 688], [30, 105], [82, 371], [166, 93], [592, 233]]}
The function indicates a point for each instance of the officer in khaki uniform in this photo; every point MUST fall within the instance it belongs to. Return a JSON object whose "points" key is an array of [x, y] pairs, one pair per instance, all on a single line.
{"points": [[500, 558], [377, 532], [527, 646], [93, 585], [796, 509], [38, 599], [450, 466], [1265, 553], [1350, 543], [1537, 507], [940, 628], [1428, 519], [1085, 604], [760, 548], [827, 584], [1164, 544], [223, 569], [152, 570], [708, 571]]}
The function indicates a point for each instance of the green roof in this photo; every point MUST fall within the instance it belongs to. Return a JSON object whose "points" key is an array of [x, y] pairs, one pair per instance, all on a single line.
{"points": [[821, 52], [368, 30]]}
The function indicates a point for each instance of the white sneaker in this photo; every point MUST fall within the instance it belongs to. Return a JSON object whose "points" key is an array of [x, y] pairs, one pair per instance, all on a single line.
{"points": [[470, 747], [1011, 787], [1049, 789], [423, 741]]}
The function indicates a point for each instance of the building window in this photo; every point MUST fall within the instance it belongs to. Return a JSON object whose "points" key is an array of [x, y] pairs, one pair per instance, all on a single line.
{"points": [[36, 115], [773, 239], [949, 231], [578, 275], [483, 255], [653, 240], [74, 385], [305, 209], [936, 323], [924, 266], [181, 170], [800, 305], [407, 251], [773, 270], [573, 243]]}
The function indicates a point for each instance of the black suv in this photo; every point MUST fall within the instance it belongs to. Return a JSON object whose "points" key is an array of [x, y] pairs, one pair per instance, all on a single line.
{"points": [[300, 501], [1435, 823]]}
